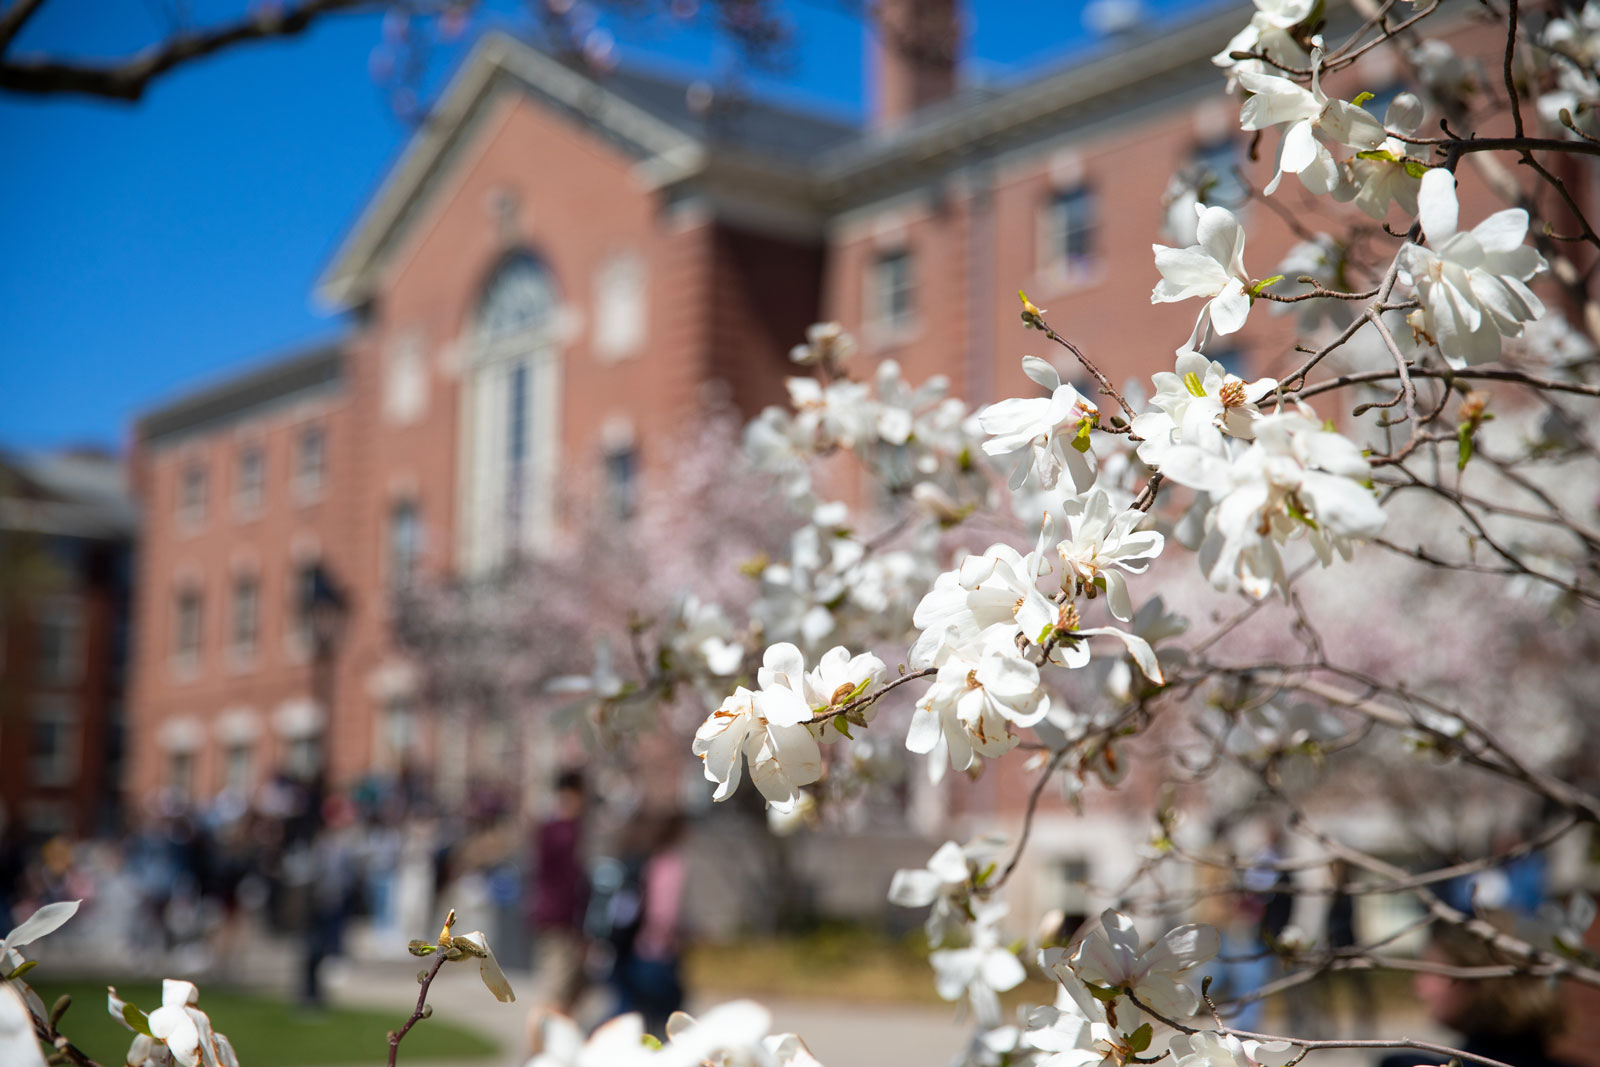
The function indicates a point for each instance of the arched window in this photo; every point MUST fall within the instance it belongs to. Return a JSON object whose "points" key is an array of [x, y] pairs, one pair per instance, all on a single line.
{"points": [[511, 409], [520, 300]]}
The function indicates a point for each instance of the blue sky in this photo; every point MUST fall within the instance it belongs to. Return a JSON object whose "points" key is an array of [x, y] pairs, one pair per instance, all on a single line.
{"points": [[151, 248]]}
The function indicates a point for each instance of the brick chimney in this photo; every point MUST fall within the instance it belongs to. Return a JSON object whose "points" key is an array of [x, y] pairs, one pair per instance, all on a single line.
{"points": [[913, 49]]}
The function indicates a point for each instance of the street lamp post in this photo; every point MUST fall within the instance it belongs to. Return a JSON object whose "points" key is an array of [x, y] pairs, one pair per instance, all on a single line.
{"points": [[326, 611]]}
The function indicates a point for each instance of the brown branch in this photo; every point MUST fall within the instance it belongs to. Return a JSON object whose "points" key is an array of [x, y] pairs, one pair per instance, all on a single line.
{"points": [[396, 1036], [1363, 377], [1309, 1045], [129, 78], [15, 18]]}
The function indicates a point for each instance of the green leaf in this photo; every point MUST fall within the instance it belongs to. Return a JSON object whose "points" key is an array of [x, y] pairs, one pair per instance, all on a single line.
{"points": [[1044, 634], [1463, 445], [26, 966], [1139, 1040], [1103, 992], [1416, 169], [984, 875], [136, 1019], [1378, 153], [1255, 289], [650, 1041], [1361, 98], [1191, 382], [843, 727]]}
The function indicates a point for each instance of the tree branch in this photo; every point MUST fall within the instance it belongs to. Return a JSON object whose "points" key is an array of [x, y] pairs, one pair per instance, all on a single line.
{"points": [[128, 79]]}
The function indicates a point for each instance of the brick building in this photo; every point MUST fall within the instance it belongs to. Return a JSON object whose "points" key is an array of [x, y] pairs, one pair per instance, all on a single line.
{"points": [[67, 530], [542, 287]]}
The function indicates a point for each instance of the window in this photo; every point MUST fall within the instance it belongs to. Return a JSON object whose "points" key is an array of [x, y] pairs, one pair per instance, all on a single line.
{"points": [[1232, 359], [619, 306], [53, 750], [192, 494], [622, 482], [405, 395], [310, 459], [58, 630], [890, 299], [1069, 230], [187, 628], [246, 615], [251, 479], [511, 433], [180, 773], [405, 542], [520, 299], [401, 729], [238, 769], [1222, 186]]}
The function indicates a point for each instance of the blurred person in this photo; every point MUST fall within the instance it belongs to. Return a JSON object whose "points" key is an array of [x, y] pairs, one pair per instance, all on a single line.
{"points": [[1341, 936], [560, 896], [1246, 964], [558, 900], [1511, 1019], [651, 980], [335, 872]]}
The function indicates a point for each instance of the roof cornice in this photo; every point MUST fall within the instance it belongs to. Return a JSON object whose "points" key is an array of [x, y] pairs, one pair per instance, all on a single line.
{"points": [[667, 153]]}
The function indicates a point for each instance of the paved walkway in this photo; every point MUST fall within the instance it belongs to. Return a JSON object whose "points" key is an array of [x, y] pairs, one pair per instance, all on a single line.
{"points": [[840, 1034]]}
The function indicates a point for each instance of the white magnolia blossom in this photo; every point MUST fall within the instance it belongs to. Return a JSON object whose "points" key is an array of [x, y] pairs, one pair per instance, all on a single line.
{"points": [[1276, 726], [703, 631], [1373, 178], [943, 884], [1444, 73], [985, 601], [1268, 34], [618, 1042], [1297, 479], [18, 1045], [1101, 540], [1049, 433], [1198, 403], [1311, 122], [827, 344], [1113, 957], [489, 968], [1224, 1050], [982, 970], [1572, 47], [46, 920], [1212, 268], [768, 730], [839, 678], [186, 1030], [972, 704], [1470, 284], [1080, 1030]]}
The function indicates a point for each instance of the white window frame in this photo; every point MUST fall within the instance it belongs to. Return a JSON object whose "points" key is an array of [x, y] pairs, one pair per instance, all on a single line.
{"points": [[65, 763], [884, 322], [186, 660], [192, 504], [309, 480], [66, 614], [248, 499]]}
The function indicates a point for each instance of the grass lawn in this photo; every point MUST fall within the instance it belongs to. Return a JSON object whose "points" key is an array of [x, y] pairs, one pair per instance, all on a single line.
{"points": [[832, 963], [265, 1032]]}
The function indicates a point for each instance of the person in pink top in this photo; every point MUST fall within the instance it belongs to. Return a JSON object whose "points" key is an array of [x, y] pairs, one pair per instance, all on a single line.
{"points": [[651, 983]]}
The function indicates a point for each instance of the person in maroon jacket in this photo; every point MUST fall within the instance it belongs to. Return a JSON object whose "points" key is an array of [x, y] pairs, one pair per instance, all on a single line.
{"points": [[561, 895]]}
